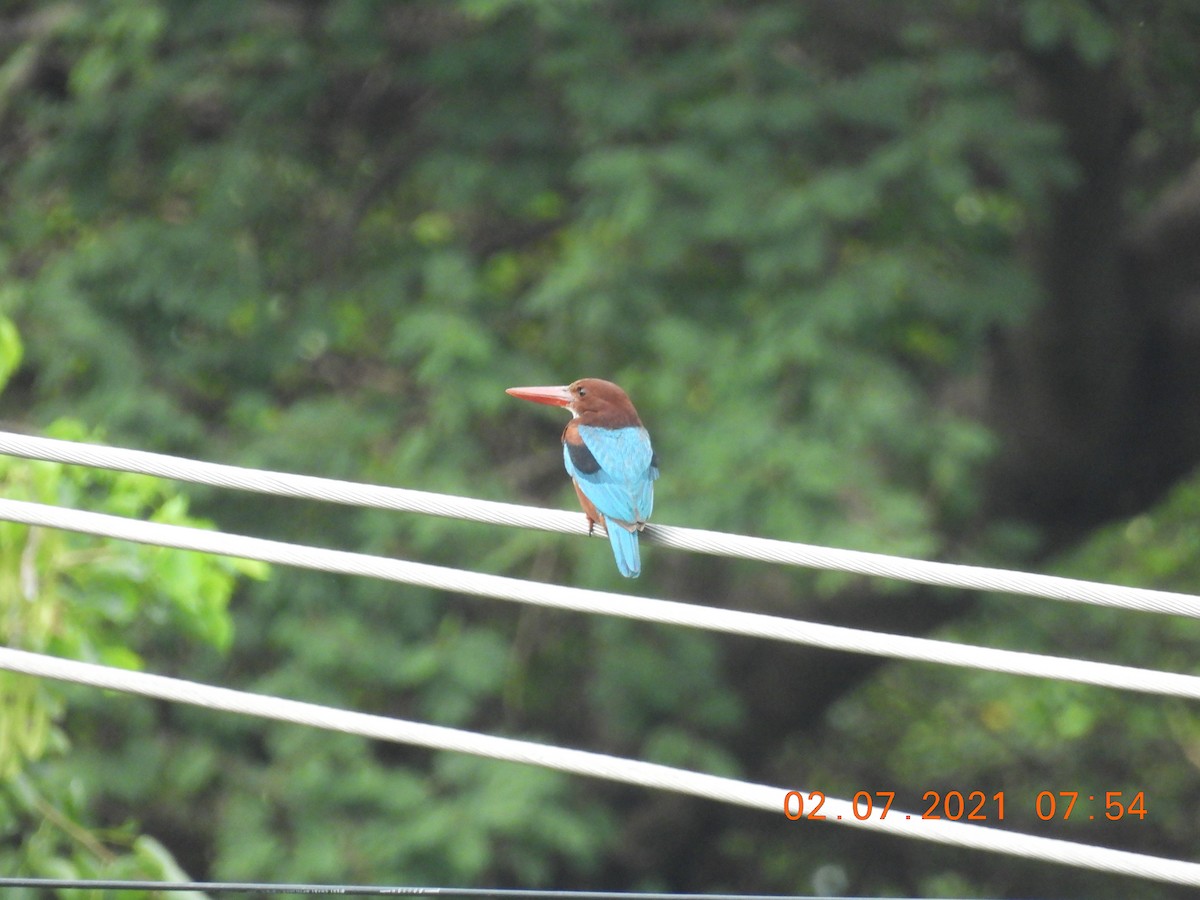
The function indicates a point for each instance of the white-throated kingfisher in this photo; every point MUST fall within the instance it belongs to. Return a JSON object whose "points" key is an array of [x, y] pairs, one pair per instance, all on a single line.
{"points": [[607, 453]]}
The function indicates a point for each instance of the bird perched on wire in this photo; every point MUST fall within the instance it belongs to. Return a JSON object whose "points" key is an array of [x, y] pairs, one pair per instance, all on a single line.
{"points": [[607, 453]]}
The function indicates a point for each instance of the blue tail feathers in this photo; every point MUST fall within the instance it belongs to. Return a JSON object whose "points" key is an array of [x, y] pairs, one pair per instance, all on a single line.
{"points": [[625, 549]]}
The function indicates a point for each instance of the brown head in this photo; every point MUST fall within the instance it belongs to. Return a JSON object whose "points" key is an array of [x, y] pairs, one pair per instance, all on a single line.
{"points": [[592, 401]]}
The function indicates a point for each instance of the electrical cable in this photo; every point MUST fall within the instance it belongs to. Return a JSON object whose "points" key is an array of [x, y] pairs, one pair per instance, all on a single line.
{"points": [[646, 609], [362, 890], [695, 540], [670, 612], [597, 765]]}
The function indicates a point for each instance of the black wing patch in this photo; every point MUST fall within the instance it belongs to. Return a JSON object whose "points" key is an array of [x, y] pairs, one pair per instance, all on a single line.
{"points": [[582, 459]]}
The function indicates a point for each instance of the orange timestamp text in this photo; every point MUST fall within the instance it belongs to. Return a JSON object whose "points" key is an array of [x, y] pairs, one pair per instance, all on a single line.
{"points": [[971, 806]]}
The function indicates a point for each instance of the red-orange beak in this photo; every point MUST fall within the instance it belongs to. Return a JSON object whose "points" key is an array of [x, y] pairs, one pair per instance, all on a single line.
{"points": [[552, 396]]}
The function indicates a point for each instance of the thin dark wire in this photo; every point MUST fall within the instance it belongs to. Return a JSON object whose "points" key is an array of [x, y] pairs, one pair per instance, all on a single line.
{"points": [[354, 890]]}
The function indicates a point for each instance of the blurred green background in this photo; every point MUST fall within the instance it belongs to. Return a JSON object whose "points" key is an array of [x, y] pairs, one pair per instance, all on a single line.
{"points": [[910, 277]]}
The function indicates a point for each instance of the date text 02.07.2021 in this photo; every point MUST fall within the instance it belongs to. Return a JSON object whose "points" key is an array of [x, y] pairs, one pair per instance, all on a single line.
{"points": [[975, 806]]}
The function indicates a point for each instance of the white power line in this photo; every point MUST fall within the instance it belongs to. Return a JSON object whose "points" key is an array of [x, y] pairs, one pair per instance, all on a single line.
{"points": [[670, 612], [597, 765], [713, 542], [646, 609]]}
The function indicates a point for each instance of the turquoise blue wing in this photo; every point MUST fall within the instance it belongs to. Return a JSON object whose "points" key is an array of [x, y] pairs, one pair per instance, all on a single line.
{"points": [[615, 468]]}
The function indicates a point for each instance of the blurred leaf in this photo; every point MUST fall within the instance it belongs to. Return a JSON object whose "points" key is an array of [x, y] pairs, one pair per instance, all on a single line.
{"points": [[324, 238]]}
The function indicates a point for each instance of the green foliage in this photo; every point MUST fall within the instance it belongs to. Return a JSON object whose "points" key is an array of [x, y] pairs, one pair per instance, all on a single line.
{"points": [[441, 824], [84, 598], [323, 237], [1025, 736], [1048, 23], [78, 597]]}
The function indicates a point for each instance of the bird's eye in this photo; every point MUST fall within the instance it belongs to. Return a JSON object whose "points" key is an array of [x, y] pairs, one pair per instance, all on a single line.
{"points": [[581, 391]]}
